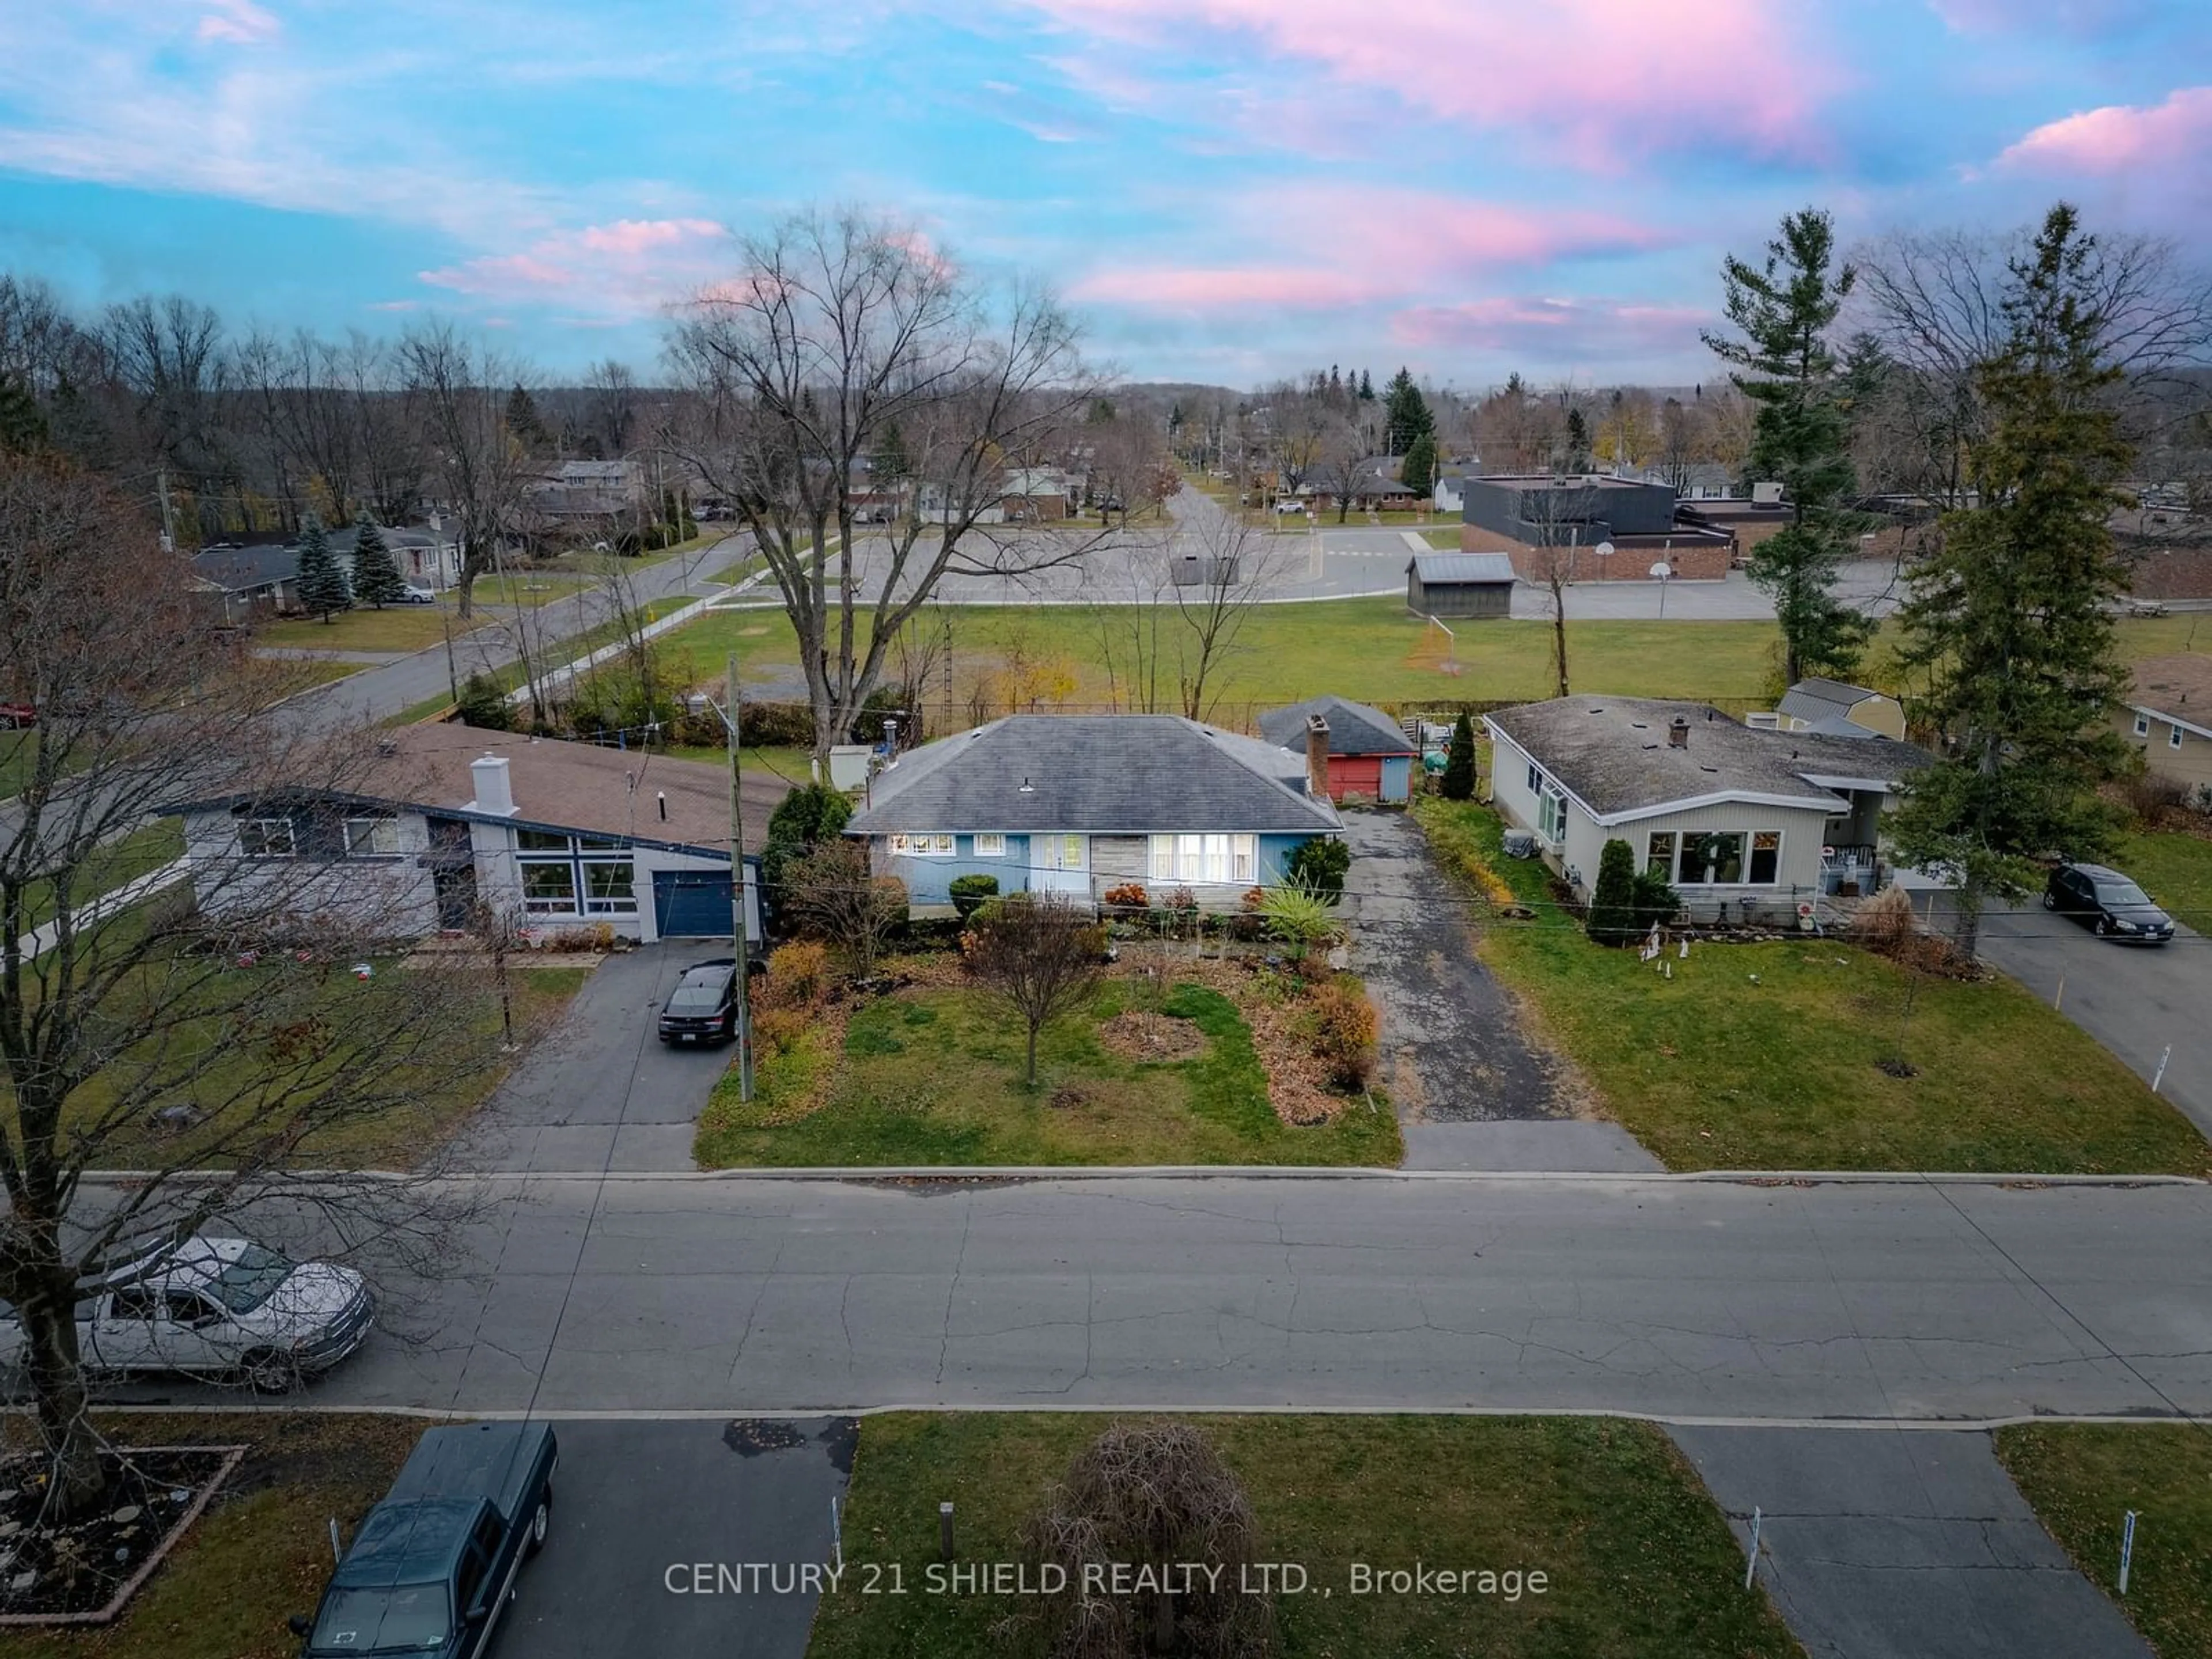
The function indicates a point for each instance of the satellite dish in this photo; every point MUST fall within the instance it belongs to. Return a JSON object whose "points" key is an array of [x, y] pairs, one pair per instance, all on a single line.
{"points": [[1605, 549], [1661, 570]]}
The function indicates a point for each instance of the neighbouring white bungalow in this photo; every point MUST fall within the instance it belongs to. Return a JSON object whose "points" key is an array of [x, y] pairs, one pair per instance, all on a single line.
{"points": [[1745, 823]]}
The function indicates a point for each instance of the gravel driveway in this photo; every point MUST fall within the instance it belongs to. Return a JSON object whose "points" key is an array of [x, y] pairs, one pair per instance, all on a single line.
{"points": [[1473, 1091]]}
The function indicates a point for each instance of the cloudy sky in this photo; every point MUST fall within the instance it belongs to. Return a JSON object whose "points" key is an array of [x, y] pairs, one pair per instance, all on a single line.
{"points": [[1226, 189]]}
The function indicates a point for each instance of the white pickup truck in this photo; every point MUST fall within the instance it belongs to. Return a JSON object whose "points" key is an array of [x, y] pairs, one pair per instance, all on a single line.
{"points": [[223, 1309]]}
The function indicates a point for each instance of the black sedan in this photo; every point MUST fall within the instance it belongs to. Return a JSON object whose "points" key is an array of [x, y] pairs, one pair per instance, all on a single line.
{"points": [[2106, 902], [703, 1007]]}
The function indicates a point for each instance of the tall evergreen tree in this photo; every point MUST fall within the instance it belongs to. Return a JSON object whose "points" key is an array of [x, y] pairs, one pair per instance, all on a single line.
{"points": [[890, 462], [2010, 617], [1366, 388], [323, 587], [1783, 310], [1458, 781], [376, 578], [1578, 443], [1419, 472], [1405, 414], [524, 424]]}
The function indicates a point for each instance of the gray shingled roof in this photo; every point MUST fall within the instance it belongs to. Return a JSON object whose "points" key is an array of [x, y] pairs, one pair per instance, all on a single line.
{"points": [[1612, 754], [1814, 699], [1461, 567], [1354, 728], [1095, 774], [244, 569]]}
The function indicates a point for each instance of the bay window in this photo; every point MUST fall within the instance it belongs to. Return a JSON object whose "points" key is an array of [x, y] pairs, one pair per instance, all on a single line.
{"points": [[1552, 813]]}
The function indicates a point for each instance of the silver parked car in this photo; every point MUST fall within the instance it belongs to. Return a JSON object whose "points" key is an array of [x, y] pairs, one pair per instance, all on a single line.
{"points": [[222, 1309]]}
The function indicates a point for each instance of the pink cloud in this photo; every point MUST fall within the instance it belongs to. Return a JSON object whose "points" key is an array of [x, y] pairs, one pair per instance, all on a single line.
{"points": [[240, 23], [1406, 242], [627, 268], [2035, 16], [2121, 137], [1604, 80]]}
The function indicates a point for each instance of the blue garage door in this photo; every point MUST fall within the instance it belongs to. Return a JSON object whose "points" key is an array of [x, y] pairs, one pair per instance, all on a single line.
{"points": [[691, 903]]}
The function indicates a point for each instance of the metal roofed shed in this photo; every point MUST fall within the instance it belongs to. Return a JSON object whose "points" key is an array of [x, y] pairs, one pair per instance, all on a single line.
{"points": [[1460, 585]]}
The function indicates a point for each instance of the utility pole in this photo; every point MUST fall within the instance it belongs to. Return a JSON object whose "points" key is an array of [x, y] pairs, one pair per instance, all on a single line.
{"points": [[169, 515], [743, 951]]}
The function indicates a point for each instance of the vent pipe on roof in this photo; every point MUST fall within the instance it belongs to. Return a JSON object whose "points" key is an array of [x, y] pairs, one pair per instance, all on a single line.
{"points": [[1678, 733], [1317, 756]]}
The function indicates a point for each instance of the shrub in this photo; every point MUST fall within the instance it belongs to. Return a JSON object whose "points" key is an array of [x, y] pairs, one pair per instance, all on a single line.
{"points": [[1885, 924], [810, 814], [1346, 1027], [1458, 783], [1181, 901], [1612, 900], [1319, 865], [1253, 898], [1653, 900], [970, 893], [1130, 895], [1299, 920], [484, 705], [2149, 796], [775, 1029], [797, 976]]}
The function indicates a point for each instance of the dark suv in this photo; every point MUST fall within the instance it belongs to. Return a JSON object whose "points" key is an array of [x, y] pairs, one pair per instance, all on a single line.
{"points": [[2107, 902], [704, 1005]]}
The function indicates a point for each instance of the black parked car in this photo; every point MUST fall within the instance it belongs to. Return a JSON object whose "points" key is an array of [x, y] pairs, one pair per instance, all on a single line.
{"points": [[703, 1007], [2107, 902]]}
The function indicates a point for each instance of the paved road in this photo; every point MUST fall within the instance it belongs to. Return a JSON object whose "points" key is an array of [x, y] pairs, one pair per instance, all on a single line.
{"points": [[640, 1507], [1900, 1300], [2138, 1001], [603, 1091], [1473, 1091], [1899, 1544]]}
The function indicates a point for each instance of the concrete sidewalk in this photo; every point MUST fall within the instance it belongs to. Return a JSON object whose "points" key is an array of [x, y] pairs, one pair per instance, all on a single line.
{"points": [[1903, 1544], [39, 940]]}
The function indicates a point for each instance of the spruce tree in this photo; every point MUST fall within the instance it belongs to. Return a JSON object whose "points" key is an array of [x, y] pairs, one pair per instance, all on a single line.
{"points": [[890, 464], [376, 578], [1783, 310], [1420, 472], [1405, 414], [1458, 781], [524, 424], [1366, 388], [323, 587], [2010, 618], [1611, 918], [1578, 443]]}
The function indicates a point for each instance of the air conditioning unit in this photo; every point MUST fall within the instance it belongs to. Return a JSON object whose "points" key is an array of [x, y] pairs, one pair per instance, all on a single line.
{"points": [[1520, 844]]}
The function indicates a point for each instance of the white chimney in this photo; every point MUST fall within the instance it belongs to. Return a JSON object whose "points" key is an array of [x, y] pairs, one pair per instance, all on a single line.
{"points": [[494, 792]]}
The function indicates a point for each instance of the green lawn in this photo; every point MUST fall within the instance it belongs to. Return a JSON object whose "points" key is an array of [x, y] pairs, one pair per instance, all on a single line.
{"points": [[791, 765], [1367, 649], [1637, 1562], [404, 628], [140, 853], [259, 1554], [1765, 1056], [2083, 1477], [2175, 868], [934, 1076], [14, 762]]}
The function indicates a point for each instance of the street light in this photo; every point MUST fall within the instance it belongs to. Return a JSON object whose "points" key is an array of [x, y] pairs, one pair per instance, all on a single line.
{"points": [[739, 936]]}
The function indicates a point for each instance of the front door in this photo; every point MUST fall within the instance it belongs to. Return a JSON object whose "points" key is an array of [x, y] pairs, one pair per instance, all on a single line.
{"points": [[1060, 864], [456, 897]]}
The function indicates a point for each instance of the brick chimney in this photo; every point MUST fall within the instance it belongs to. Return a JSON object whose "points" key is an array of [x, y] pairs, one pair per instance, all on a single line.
{"points": [[1678, 733], [1317, 756]]}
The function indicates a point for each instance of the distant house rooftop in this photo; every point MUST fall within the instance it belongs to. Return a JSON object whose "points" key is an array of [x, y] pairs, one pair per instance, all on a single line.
{"points": [[246, 569], [1819, 699], [1616, 755], [1462, 567], [1354, 728], [2178, 688]]}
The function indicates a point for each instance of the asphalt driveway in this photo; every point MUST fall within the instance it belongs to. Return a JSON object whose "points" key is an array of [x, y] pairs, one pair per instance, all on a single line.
{"points": [[641, 1507], [603, 1091], [1473, 1090], [2139, 1001]]}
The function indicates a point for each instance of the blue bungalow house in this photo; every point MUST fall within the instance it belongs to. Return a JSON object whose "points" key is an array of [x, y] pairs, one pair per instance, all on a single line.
{"points": [[1082, 804]]}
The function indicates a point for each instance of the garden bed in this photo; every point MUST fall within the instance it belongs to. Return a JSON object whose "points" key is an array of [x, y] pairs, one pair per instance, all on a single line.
{"points": [[85, 1573]]}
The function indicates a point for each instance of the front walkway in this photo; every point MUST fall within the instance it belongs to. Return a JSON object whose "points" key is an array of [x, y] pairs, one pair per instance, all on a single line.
{"points": [[1898, 1544], [1472, 1092]]}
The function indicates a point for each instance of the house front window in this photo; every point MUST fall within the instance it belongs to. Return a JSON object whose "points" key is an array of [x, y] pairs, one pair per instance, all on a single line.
{"points": [[2143, 725], [921, 847], [2173, 736], [1659, 853], [366, 838], [575, 875], [1766, 857], [549, 889], [1218, 859], [990, 846], [610, 887], [1535, 779], [267, 838]]}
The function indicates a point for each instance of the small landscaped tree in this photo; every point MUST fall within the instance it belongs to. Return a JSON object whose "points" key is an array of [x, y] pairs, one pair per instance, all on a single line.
{"points": [[1459, 761], [970, 893], [376, 578], [323, 587], [1612, 900], [1038, 954], [829, 889], [1654, 900], [808, 815], [484, 705]]}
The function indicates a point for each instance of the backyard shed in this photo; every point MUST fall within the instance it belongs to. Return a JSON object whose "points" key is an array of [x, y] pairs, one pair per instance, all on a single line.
{"points": [[1460, 585]]}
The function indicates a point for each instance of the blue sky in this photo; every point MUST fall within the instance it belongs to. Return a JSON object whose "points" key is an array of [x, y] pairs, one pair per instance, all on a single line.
{"points": [[1225, 190]]}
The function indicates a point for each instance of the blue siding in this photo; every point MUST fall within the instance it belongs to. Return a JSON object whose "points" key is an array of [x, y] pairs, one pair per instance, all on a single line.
{"points": [[929, 881], [1273, 850], [1397, 777]]}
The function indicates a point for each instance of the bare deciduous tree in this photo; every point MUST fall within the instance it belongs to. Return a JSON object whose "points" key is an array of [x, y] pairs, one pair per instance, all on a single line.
{"points": [[839, 327], [1041, 955], [153, 1034], [459, 392], [832, 891]]}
